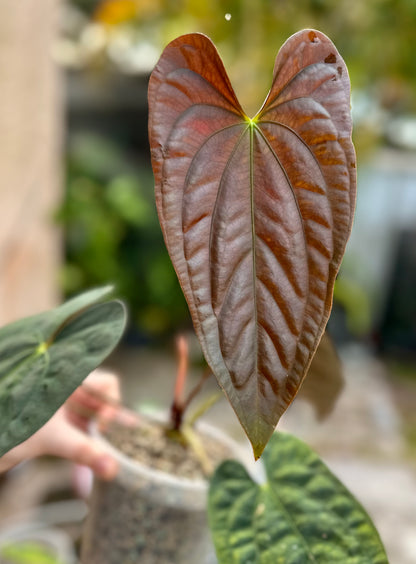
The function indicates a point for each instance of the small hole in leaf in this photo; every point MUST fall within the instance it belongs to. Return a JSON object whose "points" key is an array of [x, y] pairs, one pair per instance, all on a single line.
{"points": [[331, 58], [313, 37]]}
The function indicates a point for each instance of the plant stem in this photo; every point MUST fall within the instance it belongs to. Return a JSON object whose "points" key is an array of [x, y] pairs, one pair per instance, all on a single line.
{"points": [[195, 390], [177, 407], [181, 404]]}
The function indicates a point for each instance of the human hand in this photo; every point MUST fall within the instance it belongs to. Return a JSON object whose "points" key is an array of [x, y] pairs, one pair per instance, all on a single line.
{"points": [[64, 434]]}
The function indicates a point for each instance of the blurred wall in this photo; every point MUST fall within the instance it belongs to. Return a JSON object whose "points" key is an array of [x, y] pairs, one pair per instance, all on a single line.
{"points": [[30, 149]]}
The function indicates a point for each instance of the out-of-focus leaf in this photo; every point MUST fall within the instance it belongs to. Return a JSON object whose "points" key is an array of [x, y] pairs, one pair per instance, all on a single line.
{"points": [[301, 514], [324, 380], [255, 212], [28, 552], [44, 358]]}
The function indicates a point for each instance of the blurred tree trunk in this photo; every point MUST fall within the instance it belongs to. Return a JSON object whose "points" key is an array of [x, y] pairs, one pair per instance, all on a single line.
{"points": [[30, 147]]}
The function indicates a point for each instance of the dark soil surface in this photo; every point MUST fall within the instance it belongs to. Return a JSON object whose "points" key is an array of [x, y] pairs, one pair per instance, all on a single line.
{"points": [[151, 444]]}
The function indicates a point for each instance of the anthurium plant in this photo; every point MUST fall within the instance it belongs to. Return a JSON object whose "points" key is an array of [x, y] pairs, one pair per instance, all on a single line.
{"points": [[256, 213]]}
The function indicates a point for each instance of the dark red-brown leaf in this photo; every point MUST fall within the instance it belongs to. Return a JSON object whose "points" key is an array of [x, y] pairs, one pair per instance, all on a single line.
{"points": [[255, 212]]}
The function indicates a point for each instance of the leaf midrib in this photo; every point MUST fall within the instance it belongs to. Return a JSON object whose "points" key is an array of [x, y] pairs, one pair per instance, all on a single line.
{"points": [[269, 489], [252, 125]]}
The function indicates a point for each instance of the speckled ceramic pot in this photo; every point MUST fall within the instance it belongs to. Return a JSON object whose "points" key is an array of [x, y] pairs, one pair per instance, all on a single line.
{"points": [[147, 516]]}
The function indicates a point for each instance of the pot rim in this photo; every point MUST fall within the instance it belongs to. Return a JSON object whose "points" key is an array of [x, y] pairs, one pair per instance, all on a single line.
{"points": [[134, 467]]}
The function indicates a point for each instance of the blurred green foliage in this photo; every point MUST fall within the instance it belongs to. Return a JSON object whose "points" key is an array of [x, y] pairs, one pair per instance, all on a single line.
{"points": [[113, 235], [352, 297], [28, 552], [376, 38]]}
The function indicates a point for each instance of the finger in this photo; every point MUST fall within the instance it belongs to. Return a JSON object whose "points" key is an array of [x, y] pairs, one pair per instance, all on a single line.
{"points": [[98, 396], [106, 387], [106, 415], [98, 388], [73, 444], [106, 382], [83, 450], [79, 420], [119, 415]]}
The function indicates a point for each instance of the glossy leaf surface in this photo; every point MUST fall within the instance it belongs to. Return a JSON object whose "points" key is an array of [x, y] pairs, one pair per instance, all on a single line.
{"points": [[255, 212], [44, 358], [302, 514]]}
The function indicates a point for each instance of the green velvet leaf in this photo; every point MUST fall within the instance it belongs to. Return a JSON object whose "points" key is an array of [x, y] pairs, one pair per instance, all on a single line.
{"points": [[301, 514], [44, 358]]}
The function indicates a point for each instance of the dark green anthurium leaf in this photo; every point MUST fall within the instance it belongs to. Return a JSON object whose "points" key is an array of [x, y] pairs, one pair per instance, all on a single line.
{"points": [[255, 212], [44, 358], [302, 514]]}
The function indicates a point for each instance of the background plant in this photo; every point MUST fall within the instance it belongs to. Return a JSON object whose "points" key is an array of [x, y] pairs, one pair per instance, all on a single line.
{"points": [[112, 233]]}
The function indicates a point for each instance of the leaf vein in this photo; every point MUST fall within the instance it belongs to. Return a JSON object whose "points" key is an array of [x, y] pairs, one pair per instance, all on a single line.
{"points": [[178, 86], [270, 104], [280, 302], [279, 351]]}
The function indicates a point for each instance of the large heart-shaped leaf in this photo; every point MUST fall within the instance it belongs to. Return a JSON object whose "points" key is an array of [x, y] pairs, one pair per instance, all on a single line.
{"points": [[301, 514], [255, 212], [44, 358]]}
